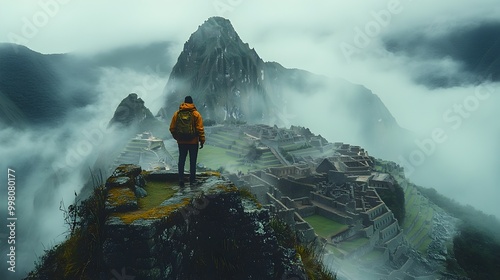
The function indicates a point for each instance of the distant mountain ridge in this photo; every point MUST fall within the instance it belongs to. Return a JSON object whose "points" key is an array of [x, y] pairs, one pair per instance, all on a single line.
{"points": [[30, 83], [41, 89]]}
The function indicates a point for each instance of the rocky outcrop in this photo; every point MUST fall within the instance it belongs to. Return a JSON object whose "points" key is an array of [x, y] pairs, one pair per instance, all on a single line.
{"points": [[124, 187], [131, 110], [205, 232], [133, 115]]}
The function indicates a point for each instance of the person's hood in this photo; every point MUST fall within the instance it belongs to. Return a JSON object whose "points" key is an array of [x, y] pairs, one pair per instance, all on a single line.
{"points": [[187, 107]]}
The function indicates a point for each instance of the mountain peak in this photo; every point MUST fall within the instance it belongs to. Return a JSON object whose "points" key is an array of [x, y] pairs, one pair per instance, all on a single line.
{"points": [[216, 34], [217, 25], [220, 72]]}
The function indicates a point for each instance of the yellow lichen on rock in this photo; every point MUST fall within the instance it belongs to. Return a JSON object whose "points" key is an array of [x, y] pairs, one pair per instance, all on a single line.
{"points": [[211, 173], [227, 188], [151, 214], [120, 196]]}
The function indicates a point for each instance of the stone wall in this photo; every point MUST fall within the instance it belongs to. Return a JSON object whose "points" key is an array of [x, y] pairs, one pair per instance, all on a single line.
{"points": [[269, 178], [383, 220], [294, 189]]}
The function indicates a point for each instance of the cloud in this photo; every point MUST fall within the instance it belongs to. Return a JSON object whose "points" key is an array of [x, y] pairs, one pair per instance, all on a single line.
{"points": [[421, 62], [53, 162], [459, 55], [55, 26]]}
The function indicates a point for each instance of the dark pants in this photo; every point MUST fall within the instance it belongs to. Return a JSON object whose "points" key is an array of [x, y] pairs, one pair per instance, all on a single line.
{"points": [[193, 155]]}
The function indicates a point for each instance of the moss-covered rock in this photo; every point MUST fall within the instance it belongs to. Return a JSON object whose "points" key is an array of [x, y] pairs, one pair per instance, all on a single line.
{"points": [[211, 231], [121, 200]]}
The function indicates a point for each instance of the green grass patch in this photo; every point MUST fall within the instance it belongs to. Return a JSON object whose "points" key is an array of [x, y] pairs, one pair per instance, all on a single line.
{"points": [[425, 245], [409, 220], [421, 228], [353, 245], [416, 229], [157, 193], [325, 227], [412, 213], [214, 157]]}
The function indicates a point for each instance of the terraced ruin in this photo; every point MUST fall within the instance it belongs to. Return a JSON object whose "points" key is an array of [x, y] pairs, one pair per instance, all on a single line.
{"points": [[327, 192]]}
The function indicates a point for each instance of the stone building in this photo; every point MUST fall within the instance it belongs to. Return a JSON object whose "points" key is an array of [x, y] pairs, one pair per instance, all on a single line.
{"points": [[147, 151], [341, 188]]}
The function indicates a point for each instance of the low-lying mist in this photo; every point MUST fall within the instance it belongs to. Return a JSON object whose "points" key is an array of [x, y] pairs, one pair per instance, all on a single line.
{"points": [[52, 163], [446, 140]]}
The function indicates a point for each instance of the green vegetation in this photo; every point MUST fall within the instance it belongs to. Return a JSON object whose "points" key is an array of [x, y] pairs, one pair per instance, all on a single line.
{"points": [[230, 150], [418, 219], [477, 219], [477, 253], [80, 256], [418, 225], [477, 246], [325, 227], [309, 254], [157, 193], [415, 217], [395, 200], [352, 245], [151, 213], [245, 193], [149, 206], [214, 157]]}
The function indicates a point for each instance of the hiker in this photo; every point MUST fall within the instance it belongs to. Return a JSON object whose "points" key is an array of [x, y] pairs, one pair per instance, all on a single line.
{"points": [[187, 128]]}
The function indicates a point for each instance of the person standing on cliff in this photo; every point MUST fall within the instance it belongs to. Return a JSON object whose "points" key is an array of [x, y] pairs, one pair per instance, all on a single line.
{"points": [[187, 128]]}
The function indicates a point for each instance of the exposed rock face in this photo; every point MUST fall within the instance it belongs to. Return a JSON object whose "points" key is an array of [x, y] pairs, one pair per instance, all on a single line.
{"points": [[209, 232], [131, 111], [133, 114], [224, 76], [443, 230], [122, 187]]}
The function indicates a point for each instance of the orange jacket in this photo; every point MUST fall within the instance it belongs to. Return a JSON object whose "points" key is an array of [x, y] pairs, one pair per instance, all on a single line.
{"points": [[198, 122]]}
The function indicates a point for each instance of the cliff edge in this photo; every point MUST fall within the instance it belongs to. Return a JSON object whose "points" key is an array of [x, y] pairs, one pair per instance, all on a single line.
{"points": [[140, 224]]}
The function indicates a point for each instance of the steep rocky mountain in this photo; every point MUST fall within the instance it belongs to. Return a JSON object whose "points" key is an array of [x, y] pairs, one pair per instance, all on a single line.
{"points": [[224, 76], [131, 110], [231, 83], [132, 113]]}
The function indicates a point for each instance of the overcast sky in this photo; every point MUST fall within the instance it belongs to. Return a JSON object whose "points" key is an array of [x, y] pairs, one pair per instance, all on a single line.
{"points": [[319, 37], [423, 58]]}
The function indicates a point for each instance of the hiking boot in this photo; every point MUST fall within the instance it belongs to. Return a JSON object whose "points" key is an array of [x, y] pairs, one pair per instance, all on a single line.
{"points": [[181, 184]]}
